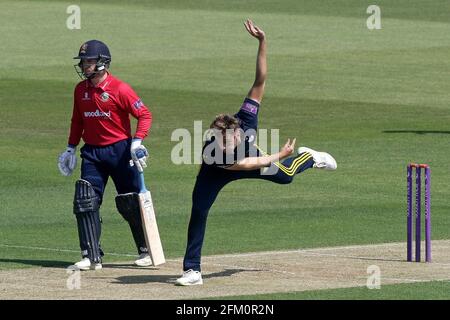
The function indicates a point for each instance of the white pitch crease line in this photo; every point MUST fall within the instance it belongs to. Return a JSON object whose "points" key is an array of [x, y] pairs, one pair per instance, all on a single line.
{"points": [[77, 251], [61, 250], [253, 254]]}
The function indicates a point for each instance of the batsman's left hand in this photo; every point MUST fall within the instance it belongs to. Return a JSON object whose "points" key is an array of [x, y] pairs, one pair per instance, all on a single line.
{"points": [[67, 161], [139, 154]]}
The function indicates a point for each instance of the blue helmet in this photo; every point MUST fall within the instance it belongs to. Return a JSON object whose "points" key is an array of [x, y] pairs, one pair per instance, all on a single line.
{"points": [[93, 49]]}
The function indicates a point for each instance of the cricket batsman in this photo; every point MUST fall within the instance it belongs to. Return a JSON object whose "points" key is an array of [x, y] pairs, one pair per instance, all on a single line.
{"points": [[101, 110], [223, 162]]}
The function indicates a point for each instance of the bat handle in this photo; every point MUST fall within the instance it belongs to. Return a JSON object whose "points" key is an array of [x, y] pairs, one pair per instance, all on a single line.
{"points": [[142, 187]]}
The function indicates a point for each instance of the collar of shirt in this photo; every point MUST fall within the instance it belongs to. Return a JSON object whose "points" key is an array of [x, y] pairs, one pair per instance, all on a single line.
{"points": [[102, 85]]}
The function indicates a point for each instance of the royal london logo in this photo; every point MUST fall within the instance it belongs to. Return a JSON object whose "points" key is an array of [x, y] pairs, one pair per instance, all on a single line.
{"points": [[97, 114]]}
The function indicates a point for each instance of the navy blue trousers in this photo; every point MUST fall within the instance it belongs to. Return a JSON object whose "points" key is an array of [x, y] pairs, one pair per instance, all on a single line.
{"points": [[211, 180], [100, 163]]}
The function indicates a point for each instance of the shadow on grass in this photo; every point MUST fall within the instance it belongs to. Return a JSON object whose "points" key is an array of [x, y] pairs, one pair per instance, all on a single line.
{"points": [[39, 263], [417, 131], [171, 278]]}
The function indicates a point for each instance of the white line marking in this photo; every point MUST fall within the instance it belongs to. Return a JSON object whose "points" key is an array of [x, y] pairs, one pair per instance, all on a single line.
{"points": [[62, 250], [310, 251]]}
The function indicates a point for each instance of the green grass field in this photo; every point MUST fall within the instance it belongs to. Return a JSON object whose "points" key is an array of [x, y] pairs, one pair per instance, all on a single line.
{"points": [[376, 100]]}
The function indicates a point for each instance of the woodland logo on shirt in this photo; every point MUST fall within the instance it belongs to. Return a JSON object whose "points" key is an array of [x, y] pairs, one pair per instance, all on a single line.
{"points": [[97, 114]]}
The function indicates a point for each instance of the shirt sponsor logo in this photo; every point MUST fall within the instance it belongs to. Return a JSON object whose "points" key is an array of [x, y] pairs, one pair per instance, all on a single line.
{"points": [[97, 114], [249, 108], [138, 104]]}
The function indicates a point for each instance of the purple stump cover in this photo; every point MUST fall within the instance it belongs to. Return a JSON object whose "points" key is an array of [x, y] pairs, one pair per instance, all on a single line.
{"points": [[427, 214], [409, 224], [418, 209]]}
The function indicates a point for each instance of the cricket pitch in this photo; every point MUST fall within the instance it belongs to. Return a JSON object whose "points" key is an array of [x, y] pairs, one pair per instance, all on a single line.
{"points": [[233, 274]]}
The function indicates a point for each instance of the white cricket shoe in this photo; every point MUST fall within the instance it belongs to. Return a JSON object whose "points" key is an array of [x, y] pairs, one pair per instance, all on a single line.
{"points": [[144, 260], [190, 278], [85, 264], [322, 160]]}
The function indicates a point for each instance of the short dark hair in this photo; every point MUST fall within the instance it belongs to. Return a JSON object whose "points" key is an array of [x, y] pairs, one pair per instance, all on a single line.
{"points": [[223, 122]]}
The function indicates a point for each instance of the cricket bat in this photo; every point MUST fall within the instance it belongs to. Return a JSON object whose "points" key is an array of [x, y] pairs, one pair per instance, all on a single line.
{"points": [[149, 225]]}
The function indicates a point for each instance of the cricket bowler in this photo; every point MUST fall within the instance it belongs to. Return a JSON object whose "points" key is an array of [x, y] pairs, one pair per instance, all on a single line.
{"points": [[101, 110], [253, 163]]}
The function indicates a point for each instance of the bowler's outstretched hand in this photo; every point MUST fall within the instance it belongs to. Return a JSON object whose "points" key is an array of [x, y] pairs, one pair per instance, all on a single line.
{"points": [[254, 30]]}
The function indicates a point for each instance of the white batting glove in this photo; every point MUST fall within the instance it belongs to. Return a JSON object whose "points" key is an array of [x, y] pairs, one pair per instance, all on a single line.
{"points": [[67, 161], [139, 154]]}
